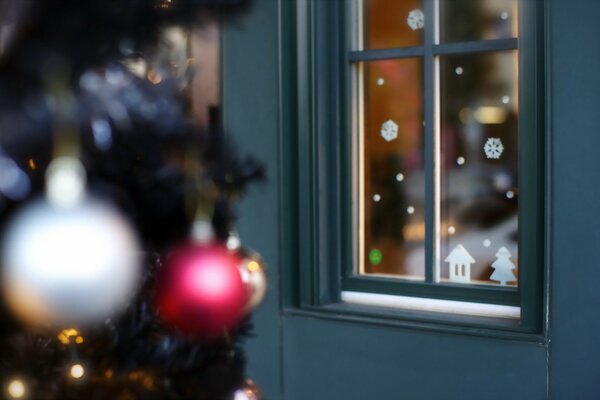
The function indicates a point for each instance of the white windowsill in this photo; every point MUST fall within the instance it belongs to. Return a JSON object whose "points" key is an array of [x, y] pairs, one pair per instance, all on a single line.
{"points": [[432, 305]]}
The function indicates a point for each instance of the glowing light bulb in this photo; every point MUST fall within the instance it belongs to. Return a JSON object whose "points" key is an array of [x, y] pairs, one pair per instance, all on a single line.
{"points": [[16, 389], [77, 371]]}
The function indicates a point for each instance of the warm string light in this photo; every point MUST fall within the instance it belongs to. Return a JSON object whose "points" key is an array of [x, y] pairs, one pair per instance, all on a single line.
{"points": [[77, 371], [67, 336], [253, 266], [16, 389]]}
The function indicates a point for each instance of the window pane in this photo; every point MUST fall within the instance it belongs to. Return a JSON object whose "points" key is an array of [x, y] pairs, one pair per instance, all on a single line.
{"points": [[479, 154], [469, 20], [392, 23], [393, 196]]}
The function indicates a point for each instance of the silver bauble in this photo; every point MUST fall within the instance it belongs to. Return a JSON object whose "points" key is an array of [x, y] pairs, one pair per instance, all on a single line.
{"points": [[66, 266], [254, 277]]}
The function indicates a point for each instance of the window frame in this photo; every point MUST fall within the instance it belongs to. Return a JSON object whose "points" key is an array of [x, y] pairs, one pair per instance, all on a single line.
{"points": [[317, 153]]}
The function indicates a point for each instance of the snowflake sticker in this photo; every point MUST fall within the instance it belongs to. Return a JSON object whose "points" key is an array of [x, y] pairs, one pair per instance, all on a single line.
{"points": [[389, 130], [493, 148], [416, 19]]}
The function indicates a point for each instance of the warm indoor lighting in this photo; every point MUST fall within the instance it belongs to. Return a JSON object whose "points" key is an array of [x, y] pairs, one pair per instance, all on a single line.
{"points": [[490, 115]]}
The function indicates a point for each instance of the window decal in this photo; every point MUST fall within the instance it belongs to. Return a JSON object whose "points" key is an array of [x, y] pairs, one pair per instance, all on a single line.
{"points": [[416, 19], [459, 265], [493, 148], [503, 267], [389, 130]]}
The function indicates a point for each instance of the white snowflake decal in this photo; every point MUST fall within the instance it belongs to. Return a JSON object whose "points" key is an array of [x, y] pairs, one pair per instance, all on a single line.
{"points": [[389, 130], [493, 148], [416, 19]]}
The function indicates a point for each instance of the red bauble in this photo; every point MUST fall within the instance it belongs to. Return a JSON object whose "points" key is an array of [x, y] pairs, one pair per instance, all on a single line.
{"points": [[200, 290]]}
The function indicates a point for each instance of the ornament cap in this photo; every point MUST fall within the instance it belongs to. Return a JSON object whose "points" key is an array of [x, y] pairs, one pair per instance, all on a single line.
{"points": [[202, 231], [65, 182]]}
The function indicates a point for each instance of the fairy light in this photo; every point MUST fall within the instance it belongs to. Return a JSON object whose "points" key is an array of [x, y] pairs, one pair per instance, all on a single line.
{"points": [[253, 266], [154, 76], [77, 371], [67, 336], [16, 389], [32, 164]]}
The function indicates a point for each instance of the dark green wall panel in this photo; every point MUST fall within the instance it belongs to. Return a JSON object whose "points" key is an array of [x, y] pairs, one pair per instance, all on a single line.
{"points": [[575, 218], [330, 360], [250, 70]]}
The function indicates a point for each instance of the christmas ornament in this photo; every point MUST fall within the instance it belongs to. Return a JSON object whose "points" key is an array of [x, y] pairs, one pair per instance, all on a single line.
{"points": [[249, 391], [254, 277], [68, 259], [200, 290]]}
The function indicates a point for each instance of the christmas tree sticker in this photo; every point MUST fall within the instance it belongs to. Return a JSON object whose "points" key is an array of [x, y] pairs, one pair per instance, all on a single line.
{"points": [[503, 267]]}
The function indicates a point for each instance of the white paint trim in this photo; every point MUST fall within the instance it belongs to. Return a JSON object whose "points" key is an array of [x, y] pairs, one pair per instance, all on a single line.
{"points": [[432, 305]]}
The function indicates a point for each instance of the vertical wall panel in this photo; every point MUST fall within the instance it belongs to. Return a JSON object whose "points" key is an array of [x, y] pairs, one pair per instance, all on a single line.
{"points": [[575, 218], [250, 70]]}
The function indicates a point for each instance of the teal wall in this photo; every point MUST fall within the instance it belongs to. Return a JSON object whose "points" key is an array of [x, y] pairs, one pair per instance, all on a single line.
{"points": [[250, 102], [304, 356], [575, 196]]}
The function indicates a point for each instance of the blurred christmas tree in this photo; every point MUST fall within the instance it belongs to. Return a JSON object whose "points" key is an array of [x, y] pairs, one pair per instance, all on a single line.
{"points": [[121, 275]]}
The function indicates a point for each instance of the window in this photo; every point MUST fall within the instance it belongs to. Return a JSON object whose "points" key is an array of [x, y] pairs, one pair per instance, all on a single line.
{"points": [[420, 157]]}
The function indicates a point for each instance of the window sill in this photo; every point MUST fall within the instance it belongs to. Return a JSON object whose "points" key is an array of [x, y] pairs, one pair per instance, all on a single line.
{"points": [[432, 305], [499, 328]]}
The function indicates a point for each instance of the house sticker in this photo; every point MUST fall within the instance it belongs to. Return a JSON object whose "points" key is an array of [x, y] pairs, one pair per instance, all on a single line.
{"points": [[460, 264]]}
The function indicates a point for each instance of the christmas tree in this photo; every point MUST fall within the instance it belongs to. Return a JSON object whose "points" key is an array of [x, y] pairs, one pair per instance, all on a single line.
{"points": [[121, 274], [503, 267]]}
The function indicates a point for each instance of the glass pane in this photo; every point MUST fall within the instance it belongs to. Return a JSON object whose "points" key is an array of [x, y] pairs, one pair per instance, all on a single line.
{"points": [[479, 155], [393, 193], [392, 23], [469, 20]]}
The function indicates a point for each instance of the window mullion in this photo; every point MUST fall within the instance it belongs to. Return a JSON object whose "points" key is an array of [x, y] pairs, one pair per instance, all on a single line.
{"points": [[428, 62]]}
